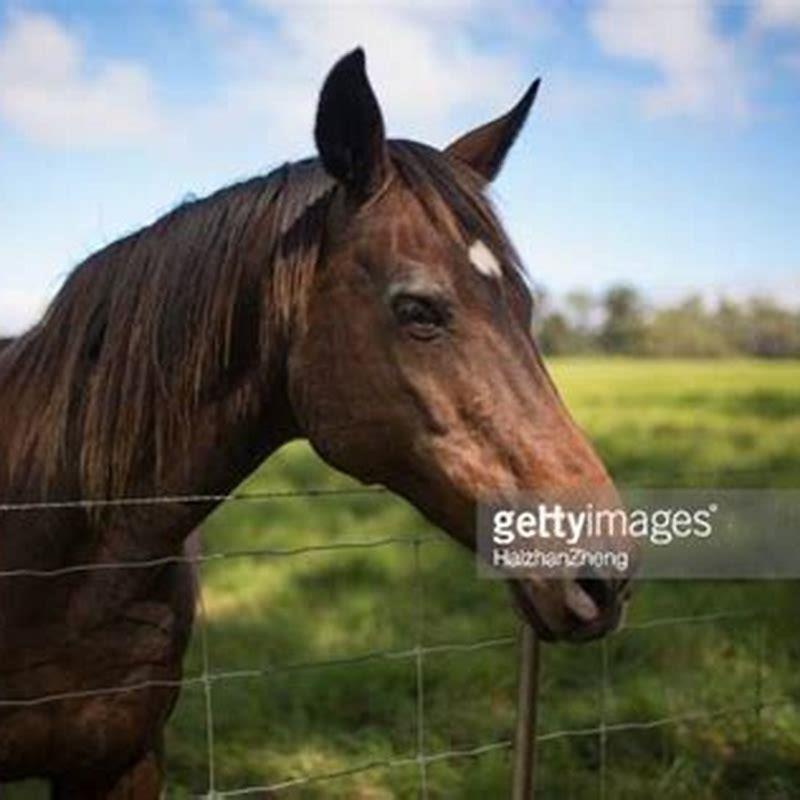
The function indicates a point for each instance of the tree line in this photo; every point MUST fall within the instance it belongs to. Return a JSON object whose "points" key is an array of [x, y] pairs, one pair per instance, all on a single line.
{"points": [[619, 321]]}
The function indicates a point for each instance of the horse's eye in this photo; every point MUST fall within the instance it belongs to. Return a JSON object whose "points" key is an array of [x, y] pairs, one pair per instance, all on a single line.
{"points": [[422, 317]]}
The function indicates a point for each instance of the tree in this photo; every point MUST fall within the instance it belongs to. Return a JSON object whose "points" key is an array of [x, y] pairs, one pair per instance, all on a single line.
{"points": [[685, 330], [556, 335], [774, 331], [623, 328]]}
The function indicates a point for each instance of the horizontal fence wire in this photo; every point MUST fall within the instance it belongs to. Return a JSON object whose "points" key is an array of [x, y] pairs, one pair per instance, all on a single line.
{"points": [[503, 744], [267, 671], [189, 499], [267, 552], [209, 678], [376, 764], [323, 492], [353, 660]]}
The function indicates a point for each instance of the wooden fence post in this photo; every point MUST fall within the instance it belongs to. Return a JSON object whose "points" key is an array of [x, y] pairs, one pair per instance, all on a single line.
{"points": [[527, 707]]}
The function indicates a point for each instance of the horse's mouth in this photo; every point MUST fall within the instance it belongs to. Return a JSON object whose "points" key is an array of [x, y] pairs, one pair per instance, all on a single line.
{"points": [[583, 620]]}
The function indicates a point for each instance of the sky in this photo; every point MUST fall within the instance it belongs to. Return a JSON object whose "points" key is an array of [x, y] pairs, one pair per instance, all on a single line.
{"points": [[662, 150]]}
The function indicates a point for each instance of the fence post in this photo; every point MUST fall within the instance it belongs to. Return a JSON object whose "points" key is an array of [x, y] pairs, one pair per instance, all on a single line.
{"points": [[527, 707]]}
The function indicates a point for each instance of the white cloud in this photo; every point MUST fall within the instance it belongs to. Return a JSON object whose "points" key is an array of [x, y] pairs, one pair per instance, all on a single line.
{"points": [[428, 59], [701, 71], [423, 60], [48, 93], [777, 14], [783, 17], [19, 310]]}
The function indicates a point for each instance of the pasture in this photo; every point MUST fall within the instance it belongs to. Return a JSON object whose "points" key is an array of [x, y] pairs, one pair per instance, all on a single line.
{"points": [[657, 423]]}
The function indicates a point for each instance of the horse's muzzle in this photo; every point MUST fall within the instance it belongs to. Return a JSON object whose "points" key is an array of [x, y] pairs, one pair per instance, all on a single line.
{"points": [[578, 610]]}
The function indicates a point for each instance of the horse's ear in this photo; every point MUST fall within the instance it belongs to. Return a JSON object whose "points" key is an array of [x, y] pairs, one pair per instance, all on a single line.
{"points": [[349, 128], [485, 148]]}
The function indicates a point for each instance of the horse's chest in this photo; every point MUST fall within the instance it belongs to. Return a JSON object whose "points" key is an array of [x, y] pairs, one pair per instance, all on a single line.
{"points": [[90, 699]]}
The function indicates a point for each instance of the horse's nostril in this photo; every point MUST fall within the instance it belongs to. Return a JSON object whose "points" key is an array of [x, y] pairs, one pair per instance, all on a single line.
{"points": [[601, 591]]}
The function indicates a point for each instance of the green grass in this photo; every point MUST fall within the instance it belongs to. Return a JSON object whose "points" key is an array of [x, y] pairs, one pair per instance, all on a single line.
{"points": [[656, 423]]}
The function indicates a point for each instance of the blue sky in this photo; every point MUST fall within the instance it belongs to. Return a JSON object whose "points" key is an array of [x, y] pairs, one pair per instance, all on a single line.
{"points": [[662, 151]]}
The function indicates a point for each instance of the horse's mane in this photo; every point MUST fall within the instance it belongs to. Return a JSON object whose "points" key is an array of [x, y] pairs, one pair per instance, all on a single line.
{"points": [[174, 315]]}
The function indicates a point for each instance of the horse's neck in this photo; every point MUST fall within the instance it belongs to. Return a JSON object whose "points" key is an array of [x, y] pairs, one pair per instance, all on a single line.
{"points": [[219, 458], [226, 447]]}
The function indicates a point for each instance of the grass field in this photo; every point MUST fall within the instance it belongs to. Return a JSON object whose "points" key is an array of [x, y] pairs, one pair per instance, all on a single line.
{"points": [[721, 423]]}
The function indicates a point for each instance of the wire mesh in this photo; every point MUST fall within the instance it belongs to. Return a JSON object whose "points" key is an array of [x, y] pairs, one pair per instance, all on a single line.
{"points": [[421, 759]]}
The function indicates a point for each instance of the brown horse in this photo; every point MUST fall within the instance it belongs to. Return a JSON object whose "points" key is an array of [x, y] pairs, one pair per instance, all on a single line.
{"points": [[369, 301]]}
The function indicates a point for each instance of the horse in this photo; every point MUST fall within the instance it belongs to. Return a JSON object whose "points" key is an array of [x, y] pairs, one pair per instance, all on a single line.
{"points": [[368, 300]]}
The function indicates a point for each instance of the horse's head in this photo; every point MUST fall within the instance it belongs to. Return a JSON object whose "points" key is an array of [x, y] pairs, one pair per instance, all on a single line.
{"points": [[415, 366]]}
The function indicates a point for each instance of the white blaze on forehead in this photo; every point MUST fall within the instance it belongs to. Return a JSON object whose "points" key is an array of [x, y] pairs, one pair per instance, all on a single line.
{"points": [[484, 260]]}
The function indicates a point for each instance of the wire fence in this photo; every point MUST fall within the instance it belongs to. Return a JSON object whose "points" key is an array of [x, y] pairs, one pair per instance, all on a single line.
{"points": [[420, 759]]}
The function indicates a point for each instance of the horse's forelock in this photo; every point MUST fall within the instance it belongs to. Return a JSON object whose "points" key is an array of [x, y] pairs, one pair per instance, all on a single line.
{"points": [[442, 182]]}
